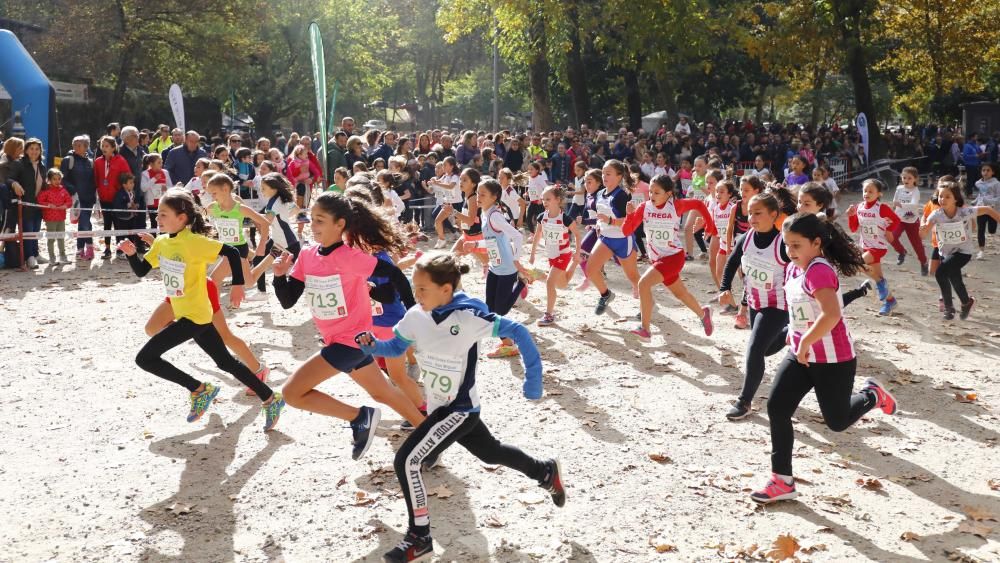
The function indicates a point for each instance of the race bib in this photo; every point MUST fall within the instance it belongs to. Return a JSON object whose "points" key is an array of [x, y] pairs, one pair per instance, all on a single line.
{"points": [[604, 209], [442, 376], [493, 251], [326, 297], [759, 274], [723, 231], [534, 193], [229, 230], [638, 198], [801, 315], [660, 233], [377, 309], [869, 231], [951, 233], [553, 238], [173, 276]]}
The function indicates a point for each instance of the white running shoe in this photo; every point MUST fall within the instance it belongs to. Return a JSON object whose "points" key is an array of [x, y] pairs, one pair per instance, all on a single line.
{"points": [[979, 255]]}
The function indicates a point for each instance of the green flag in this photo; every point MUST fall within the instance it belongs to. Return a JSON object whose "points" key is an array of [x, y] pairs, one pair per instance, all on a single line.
{"points": [[333, 108], [319, 77]]}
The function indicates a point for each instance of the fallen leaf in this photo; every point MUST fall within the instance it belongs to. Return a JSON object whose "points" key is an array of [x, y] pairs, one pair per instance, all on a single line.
{"points": [[661, 547], [966, 397], [870, 484], [494, 522], [814, 548], [590, 423], [902, 347], [441, 492], [659, 458], [975, 528], [591, 410], [783, 548], [824, 530], [978, 514], [180, 508], [361, 498], [342, 482], [909, 536], [994, 484]]}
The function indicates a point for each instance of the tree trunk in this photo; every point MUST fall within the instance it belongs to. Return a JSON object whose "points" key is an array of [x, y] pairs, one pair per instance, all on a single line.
{"points": [[264, 117], [121, 83], [851, 13], [758, 115], [819, 78], [668, 97], [633, 99], [577, 71], [538, 79]]}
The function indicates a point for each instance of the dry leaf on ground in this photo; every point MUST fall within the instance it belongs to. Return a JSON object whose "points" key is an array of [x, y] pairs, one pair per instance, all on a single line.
{"points": [[994, 484], [180, 508], [814, 548], [978, 513], [495, 522], [909, 536], [966, 397], [660, 546], [975, 528], [660, 458], [440, 492], [870, 484], [783, 548]]}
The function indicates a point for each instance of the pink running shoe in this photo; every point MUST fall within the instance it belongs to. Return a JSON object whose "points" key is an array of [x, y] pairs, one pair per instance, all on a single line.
{"points": [[775, 490], [706, 320], [741, 322], [524, 290], [641, 334], [883, 399], [584, 285], [261, 375]]}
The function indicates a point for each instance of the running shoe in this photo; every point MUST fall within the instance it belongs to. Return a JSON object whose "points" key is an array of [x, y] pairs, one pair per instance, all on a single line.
{"points": [[411, 548], [261, 374], [524, 289], [730, 310], [504, 351], [32, 262], [865, 287], [363, 429], [603, 301], [739, 411], [900, 258], [966, 308], [883, 289], [641, 334], [302, 219], [924, 269], [948, 313], [887, 307], [706, 320], [42, 259], [201, 401], [883, 399], [741, 322], [688, 258], [979, 255], [107, 254], [584, 285], [272, 411], [407, 425], [553, 484], [548, 319], [439, 244], [775, 490], [430, 462], [90, 252]]}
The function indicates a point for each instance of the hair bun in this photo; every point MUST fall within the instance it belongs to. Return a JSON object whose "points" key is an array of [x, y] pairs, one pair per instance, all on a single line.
{"points": [[464, 269]]}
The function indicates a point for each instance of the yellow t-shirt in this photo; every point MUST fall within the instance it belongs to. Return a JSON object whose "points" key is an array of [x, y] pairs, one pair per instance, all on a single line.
{"points": [[183, 260]]}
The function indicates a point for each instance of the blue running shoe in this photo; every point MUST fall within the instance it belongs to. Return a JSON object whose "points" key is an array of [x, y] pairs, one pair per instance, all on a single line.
{"points": [[201, 401], [883, 289], [363, 429], [272, 411], [887, 307], [603, 301]]}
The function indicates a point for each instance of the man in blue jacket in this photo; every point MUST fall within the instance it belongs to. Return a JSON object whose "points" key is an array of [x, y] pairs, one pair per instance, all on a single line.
{"points": [[180, 160], [78, 177]]}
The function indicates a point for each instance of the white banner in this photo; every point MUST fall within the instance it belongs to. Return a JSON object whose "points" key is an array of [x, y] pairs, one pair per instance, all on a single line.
{"points": [[177, 106], [862, 123]]}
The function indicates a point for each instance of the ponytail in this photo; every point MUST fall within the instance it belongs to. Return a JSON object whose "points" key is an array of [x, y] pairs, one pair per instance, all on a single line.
{"points": [[838, 248], [364, 227], [181, 201]]}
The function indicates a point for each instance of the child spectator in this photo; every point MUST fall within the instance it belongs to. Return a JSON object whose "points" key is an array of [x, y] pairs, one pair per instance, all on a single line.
{"points": [[128, 198], [54, 194]]}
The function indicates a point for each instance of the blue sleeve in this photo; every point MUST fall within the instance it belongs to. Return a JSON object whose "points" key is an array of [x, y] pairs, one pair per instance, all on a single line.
{"points": [[387, 348], [507, 328], [619, 203]]}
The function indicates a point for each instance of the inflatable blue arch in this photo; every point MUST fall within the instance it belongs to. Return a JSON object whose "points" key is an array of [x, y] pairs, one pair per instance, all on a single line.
{"points": [[30, 91]]}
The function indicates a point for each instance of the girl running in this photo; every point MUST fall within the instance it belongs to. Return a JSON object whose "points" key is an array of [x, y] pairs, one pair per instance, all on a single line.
{"points": [[952, 224], [536, 185], [334, 278], [821, 175], [697, 189], [929, 208], [640, 194], [906, 204], [661, 216], [556, 228], [510, 198], [469, 218], [739, 223], [227, 216], [447, 189], [612, 202], [280, 211], [721, 210], [588, 218], [446, 329], [182, 254], [503, 245], [821, 352], [988, 189], [877, 223], [579, 191], [762, 257]]}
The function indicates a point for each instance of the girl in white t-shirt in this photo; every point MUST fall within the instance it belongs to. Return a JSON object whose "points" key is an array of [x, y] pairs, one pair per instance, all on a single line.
{"points": [[446, 190]]}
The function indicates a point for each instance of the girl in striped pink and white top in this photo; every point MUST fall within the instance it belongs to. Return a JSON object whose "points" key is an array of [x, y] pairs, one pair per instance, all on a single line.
{"points": [[822, 352]]}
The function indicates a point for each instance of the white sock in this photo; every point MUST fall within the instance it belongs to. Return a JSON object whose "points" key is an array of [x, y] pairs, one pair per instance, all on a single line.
{"points": [[786, 478]]}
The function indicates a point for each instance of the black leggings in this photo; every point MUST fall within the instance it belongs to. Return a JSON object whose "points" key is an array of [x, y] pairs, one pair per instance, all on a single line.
{"points": [[984, 222], [699, 237], [502, 292], [531, 220], [441, 429], [108, 218], [768, 329], [834, 384], [949, 275], [640, 239], [150, 357]]}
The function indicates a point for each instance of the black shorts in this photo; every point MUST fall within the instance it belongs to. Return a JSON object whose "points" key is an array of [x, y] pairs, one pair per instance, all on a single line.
{"points": [[300, 190], [345, 358], [935, 254]]}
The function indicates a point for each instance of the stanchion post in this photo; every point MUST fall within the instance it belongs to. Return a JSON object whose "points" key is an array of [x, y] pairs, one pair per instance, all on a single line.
{"points": [[20, 234]]}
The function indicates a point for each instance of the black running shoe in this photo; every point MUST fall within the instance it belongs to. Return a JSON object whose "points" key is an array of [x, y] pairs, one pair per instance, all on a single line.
{"points": [[411, 548], [363, 429], [900, 259], [739, 411], [603, 301], [554, 484], [966, 307]]}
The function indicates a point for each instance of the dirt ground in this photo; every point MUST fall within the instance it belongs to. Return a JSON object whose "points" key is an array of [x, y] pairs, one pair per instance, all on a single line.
{"points": [[99, 464]]}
